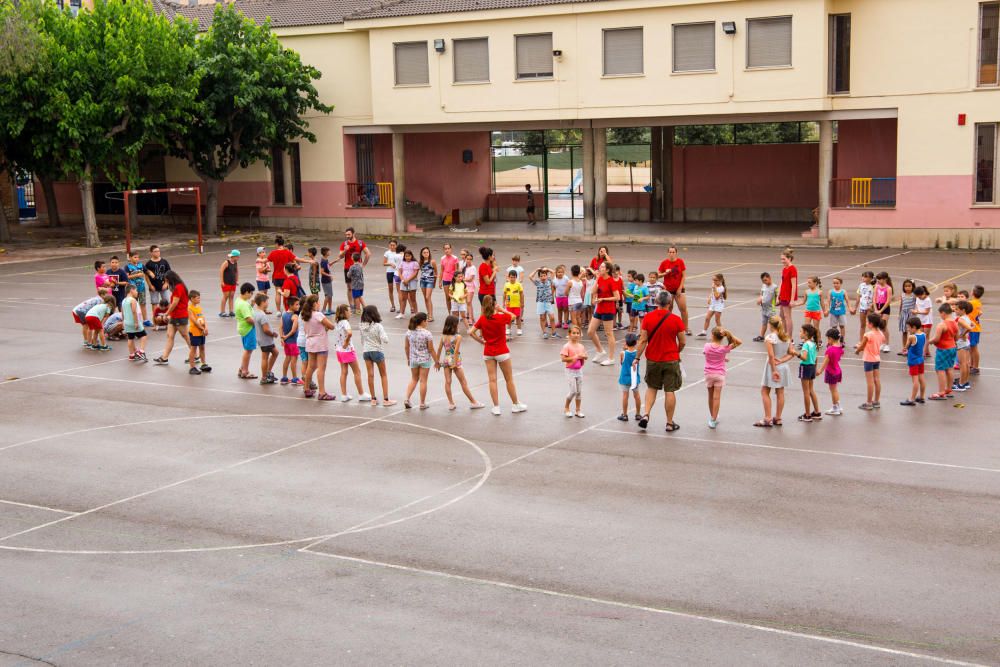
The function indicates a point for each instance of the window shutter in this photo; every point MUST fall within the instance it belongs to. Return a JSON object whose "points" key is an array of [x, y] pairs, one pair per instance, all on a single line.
{"points": [[534, 55], [472, 60], [411, 64], [623, 51], [769, 42], [694, 47], [989, 43]]}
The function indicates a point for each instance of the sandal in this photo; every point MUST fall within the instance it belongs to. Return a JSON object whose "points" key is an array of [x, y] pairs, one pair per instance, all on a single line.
{"points": [[776, 422], [673, 426], [247, 376], [386, 403], [308, 394], [326, 397], [937, 397], [763, 423]]}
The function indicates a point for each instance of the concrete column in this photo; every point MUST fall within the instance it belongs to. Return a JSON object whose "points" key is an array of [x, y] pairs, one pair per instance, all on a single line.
{"points": [[588, 180], [398, 184], [601, 182], [825, 176], [288, 183], [667, 173], [656, 168]]}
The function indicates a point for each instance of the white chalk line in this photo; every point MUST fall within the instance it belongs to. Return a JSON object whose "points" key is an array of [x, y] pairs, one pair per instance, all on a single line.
{"points": [[36, 507], [643, 608]]}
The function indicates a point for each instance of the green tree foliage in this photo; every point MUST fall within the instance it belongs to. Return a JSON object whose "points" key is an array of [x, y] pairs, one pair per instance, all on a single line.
{"points": [[252, 98]]}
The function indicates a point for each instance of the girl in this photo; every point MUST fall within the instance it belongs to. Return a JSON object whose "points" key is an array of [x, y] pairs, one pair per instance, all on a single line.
{"points": [[605, 297], [573, 355], [289, 338], [883, 302], [716, 303], [428, 279], [776, 376], [419, 348], [574, 294], [950, 294], [832, 373], [315, 325], [177, 317], [490, 332], [471, 276], [869, 345], [263, 270], [347, 357], [588, 298], [837, 305], [408, 272], [813, 301], [561, 283], [450, 354], [373, 341], [788, 291], [864, 302], [907, 304], [807, 373], [456, 297], [390, 258], [922, 308], [715, 369]]}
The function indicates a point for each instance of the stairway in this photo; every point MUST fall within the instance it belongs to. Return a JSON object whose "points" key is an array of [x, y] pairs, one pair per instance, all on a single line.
{"points": [[420, 219]]}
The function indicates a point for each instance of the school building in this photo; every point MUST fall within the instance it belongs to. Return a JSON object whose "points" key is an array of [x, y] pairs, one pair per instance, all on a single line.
{"points": [[897, 104]]}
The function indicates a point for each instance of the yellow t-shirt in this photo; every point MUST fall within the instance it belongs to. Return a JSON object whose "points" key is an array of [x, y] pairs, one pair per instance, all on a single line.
{"points": [[194, 314], [458, 290], [977, 311], [512, 293]]}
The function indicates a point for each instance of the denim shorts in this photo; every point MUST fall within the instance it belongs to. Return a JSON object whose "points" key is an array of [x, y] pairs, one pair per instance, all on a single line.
{"points": [[544, 308], [872, 366], [374, 357], [421, 364], [263, 285], [604, 317], [426, 284]]}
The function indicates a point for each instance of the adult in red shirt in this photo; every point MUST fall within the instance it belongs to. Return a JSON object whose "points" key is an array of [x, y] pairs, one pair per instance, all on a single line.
{"points": [[672, 274], [491, 331], [278, 258], [605, 298], [662, 339], [602, 256], [788, 292], [487, 274], [177, 319], [351, 245]]}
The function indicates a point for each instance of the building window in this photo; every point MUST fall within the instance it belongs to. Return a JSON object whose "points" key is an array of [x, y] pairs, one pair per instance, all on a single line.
{"points": [[840, 53], [534, 56], [986, 163], [286, 176], [278, 176], [989, 43], [295, 166], [622, 51], [471, 60], [410, 63], [769, 42], [694, 47]]}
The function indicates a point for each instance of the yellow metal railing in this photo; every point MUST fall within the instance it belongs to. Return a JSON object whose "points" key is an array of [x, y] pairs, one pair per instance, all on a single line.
{"points": [[385, 195], [861, 191]]}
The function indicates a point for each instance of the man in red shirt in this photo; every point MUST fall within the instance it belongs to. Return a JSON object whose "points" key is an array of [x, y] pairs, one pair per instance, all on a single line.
{"points": [[351, 245], [672, 272], [788, 292], [605, 302], [278, 258], [662, 339]]}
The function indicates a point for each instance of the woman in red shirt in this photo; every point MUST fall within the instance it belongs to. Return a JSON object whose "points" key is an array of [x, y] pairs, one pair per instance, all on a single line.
{"points": [[177, 316], [788, 292], [602, 256], [487, 274], [605, 299], [491, 331], [671, 271]]}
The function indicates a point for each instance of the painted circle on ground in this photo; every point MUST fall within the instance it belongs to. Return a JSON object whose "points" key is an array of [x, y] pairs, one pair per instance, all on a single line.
{"points": [[376, 522]]}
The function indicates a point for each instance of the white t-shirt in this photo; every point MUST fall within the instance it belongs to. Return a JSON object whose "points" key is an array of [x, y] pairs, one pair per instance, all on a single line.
{"points": [[519, 270], [340, 336], [393, 259], [718, 299], [575, 291], [928, 305], [561, 285]]}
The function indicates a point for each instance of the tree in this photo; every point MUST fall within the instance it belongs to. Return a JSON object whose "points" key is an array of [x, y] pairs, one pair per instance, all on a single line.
{"points": [[253, 97], [629, 135]]}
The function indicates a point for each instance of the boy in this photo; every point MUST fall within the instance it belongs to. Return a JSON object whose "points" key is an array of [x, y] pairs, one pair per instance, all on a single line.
{"points": [[629, 296], [101, 276], [114, 327], [545, 304], [197, 331], [513, 295], [80, 313], [943, 340], [245, 329], [962, 309], [265, 338], [515, 266], [619, 284], [95, 323], [229, 278], [137, 277], [768, 302], [135, 329], [530, 208], [326, 280], [160, 317], [629, 378], [356, 277], [654, 286], [289, 342], [156, 269], [974, 335], [923, 308], [640, 294], [118, 279], [916, 340]]}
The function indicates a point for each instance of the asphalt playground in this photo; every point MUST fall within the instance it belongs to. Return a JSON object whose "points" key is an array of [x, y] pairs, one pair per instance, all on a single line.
{"points": [[152, 517]]}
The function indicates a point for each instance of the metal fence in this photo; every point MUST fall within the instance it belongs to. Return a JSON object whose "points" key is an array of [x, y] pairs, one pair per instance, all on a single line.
{"points": [[863, 193], [370, 195]]}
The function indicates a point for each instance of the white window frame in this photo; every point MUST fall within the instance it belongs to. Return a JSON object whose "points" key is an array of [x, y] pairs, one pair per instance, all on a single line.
{"points": [[673, 49], [395, 66], [979, 50], [832, 33], [996, 167], [454, 60], [791, 43], [604, 51], [536, 77]]}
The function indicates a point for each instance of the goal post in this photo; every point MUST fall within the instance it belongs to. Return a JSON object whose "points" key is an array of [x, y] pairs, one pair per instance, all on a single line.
{"points": [[197, 212]]}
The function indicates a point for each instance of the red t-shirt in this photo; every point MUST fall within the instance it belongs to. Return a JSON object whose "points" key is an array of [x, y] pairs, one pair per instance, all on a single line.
{"points": [[605, 290], [485, 287], [279, 257], [349, 249], [785, 291], [673, 273], [181, 310], [663, 345], [494, 331], [595, 263], [620, 288]]}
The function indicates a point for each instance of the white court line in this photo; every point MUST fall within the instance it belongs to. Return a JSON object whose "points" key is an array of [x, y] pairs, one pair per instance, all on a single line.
{"points": [[644, 608], [36, 507]]}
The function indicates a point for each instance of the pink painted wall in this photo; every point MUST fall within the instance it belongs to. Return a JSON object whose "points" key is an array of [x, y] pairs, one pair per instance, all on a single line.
{"points": [[924, 202], [436, 175], [866, 148]]}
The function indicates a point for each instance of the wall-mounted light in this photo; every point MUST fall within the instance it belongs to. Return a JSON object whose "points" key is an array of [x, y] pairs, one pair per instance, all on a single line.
{"points": [[729, 27], [557, 53], [439, 45]]}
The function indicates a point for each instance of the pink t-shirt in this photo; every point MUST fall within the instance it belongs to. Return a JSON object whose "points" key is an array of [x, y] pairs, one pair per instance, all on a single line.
{"points": [[316, 339], [715, 358], [874, 339], [573, 350], [833, 355], [448, 265], [101, 279]]}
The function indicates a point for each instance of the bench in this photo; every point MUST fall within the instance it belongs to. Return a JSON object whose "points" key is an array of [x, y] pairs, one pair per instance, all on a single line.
{"points": [[185, 211], [248, 212]]}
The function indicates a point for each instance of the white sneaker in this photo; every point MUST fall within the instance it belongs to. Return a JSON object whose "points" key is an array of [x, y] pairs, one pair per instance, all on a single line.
{"points": [[836, 412], [496, 410], [597, 357], [399, 316], [345, 398], [702, 334], [886, 348], [580, 415], [569, 413], [520, 332], [364, 398], [519, 407], [607, 362]]}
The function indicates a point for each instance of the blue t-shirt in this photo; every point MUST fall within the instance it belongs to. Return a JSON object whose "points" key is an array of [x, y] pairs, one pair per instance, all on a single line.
{"points": [[814, 301], [324, 268], [838, 302], [915, 352], [640, 293], [286, 323], [625, 375], [140, 282]]}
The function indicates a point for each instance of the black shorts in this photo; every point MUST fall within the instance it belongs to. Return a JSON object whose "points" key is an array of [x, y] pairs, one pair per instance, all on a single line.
{"points": [[345, 276], [807, 371], [267, 349], [135, 335], [197, 341], [483, 296], [531, 209], [179, 321], [887, 312], [604, 317]]}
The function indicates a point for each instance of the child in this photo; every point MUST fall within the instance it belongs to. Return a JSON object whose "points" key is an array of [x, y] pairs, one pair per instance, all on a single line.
{"points": [[655, 285], [457, 299], [390, 259], [945, 335], [716, 303], [347, 357], [864, 302], [832, 373], [117, 281], [619, 286], [629, 297], [776, 376], [916, 341], [513, 298], [420, 352], [807, 372], [263, 270], [314, 272], [265, 338], [245, 329], [292, 285], [229, 278], [356, 276], [289, 343], [197, 331], [869, 346], [813, 301], [134, 329], [923, 308], [373, 342], [837, 305], [575, 295], [95, 322], [882, 302], [544, 302], [629, 378], [515, 266], [950, 294], [313, 328], [137, 277], [561, 284], [588, 294], [715, 369], [114, 326], [962, 309], [80, 313], [977, 330], [640, 294], [101, 278], [768, 302], [574, 356], [326, 280], [450, 354], [907, 302], [160, 317]]}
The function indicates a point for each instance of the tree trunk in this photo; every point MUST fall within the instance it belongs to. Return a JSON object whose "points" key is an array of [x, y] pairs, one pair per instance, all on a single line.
{"points": [[211, 221], [133, 212], [89, 216], [51, 205], [4, 223]]}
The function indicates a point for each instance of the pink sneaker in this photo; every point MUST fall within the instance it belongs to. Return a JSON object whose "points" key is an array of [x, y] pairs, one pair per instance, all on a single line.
{"points": [[297, 382]]}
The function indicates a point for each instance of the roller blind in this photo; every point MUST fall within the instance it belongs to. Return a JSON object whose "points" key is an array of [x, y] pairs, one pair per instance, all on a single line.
{"points": [[623, 51], [411, 64], [989, 43], [534, 55], [769, 42], [472, 60], [694, 47]]}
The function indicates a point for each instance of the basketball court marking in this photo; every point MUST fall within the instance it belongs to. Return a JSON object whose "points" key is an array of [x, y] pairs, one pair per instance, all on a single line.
{"points": [[36, 507]]}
